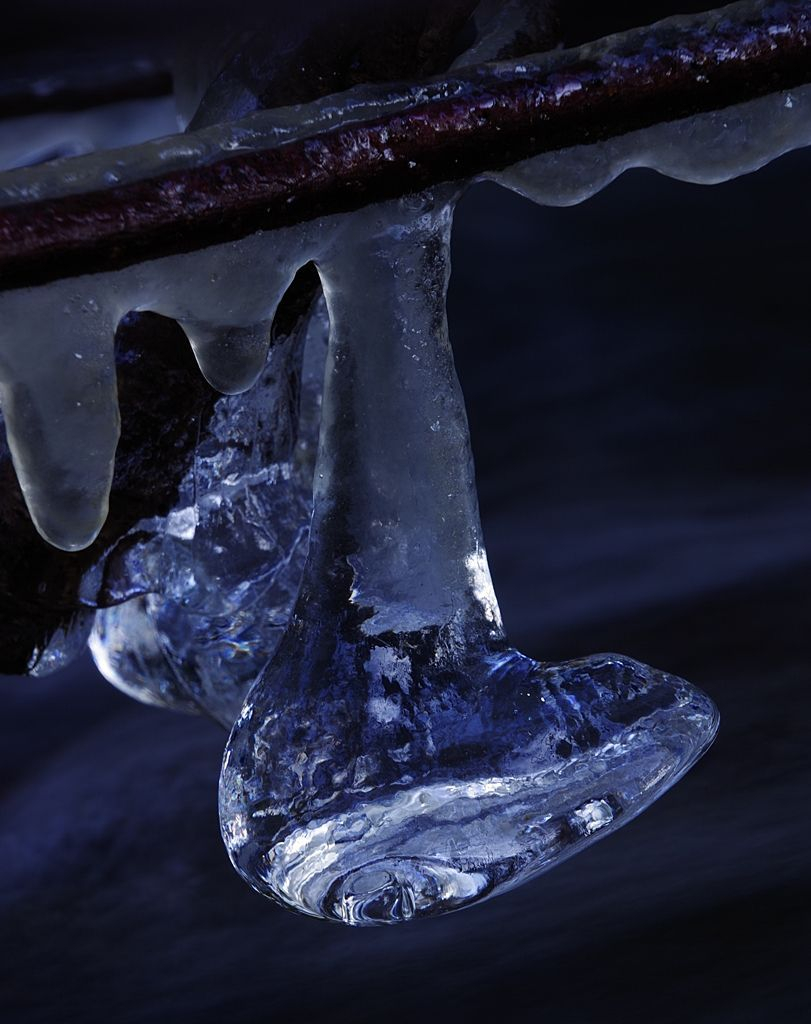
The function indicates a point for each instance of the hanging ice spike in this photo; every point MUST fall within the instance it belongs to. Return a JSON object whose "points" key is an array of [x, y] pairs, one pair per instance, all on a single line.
{"points": [[59, 402], [397, 759]]}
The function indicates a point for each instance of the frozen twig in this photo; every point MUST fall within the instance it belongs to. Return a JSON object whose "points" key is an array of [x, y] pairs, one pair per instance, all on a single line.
{"points": [[451, 128]]}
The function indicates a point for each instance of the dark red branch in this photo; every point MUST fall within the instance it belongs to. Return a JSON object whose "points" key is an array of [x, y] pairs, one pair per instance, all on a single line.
{"points": [[494, 118]]}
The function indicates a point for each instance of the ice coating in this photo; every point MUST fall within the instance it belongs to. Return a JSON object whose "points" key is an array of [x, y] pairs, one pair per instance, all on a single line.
{"points": [[95, 171], [268, 128], [705, 149], [396, 759]]}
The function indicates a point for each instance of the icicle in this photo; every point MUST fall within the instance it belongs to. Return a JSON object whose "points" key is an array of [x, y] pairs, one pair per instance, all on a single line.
{"points": [[396, 759], [57, 368], [230, 358], [58, 395]]}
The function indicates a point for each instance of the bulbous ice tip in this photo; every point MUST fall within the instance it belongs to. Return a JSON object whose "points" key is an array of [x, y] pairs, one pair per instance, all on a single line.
{"points": [[568, 753], [70, 525], [398, 889], [383, 893]]}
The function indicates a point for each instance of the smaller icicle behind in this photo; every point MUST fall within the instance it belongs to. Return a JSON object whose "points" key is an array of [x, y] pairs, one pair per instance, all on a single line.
{"points": [[230, 358], [222, 569], [225, 299]]}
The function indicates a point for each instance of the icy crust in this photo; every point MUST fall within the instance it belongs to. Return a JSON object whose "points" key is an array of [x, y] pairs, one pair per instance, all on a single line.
{"points": [[275, 127], [705, 149], [57, 371], [259, 131]]}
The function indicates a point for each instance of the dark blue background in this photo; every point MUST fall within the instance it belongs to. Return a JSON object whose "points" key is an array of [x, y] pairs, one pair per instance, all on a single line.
{"points": [[637, 376]]}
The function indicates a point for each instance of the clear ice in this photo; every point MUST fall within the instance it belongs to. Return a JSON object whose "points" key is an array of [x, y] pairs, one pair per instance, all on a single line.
{"points": [[219, 575], [395, 758]]}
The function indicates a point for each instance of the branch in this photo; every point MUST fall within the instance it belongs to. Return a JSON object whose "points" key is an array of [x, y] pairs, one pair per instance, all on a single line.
{"points": [[452, 128]]}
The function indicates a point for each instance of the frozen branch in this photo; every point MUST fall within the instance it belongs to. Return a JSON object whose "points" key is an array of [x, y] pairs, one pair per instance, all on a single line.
{"points": [[454, 127]]}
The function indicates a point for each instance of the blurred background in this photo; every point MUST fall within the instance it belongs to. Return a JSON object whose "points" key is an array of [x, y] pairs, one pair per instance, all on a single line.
{"points": [[637, 373]]}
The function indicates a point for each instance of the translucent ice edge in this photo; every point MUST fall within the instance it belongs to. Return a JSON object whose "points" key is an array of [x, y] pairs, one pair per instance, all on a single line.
{"points": [[57, 367], [259, 131], [475, 825], [705, 149]]}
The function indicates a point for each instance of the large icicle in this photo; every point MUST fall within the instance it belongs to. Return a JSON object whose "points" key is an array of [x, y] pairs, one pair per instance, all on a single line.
{"points": [[396, 759]]}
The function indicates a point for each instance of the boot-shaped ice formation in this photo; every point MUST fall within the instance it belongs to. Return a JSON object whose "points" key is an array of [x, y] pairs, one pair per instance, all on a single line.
{"points": [[397, 759]]}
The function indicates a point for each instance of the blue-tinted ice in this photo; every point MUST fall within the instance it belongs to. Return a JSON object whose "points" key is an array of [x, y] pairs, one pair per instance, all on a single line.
{"points": [[222, 571], [397, 759]]}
